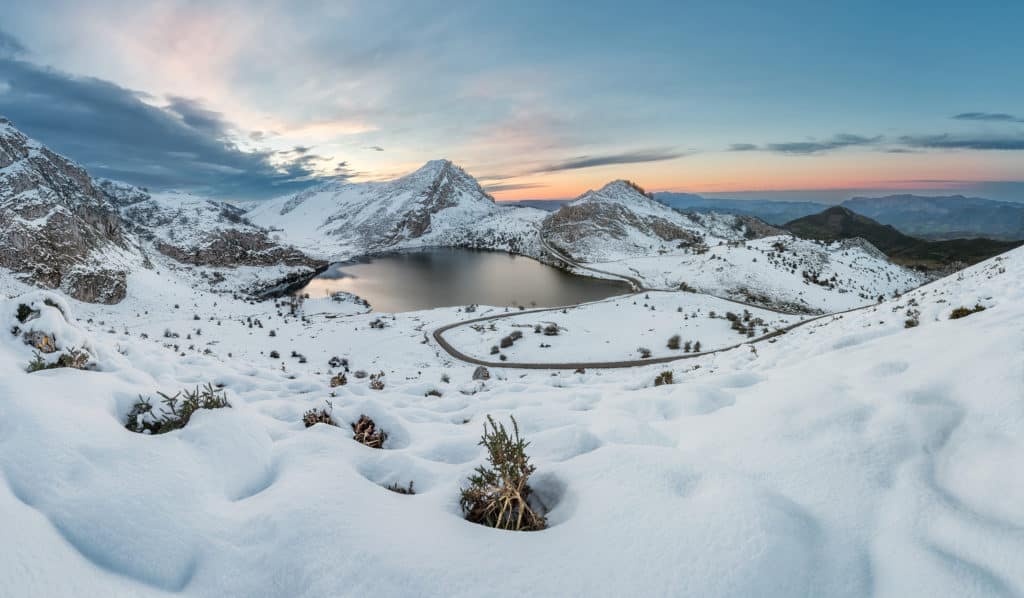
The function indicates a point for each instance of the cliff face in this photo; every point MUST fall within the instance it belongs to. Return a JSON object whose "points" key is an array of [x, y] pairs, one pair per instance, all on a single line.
{"points": [[57, 228]]}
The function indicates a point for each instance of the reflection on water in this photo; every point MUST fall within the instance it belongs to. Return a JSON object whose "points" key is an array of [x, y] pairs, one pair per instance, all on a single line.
{"points": [[441, 277]]}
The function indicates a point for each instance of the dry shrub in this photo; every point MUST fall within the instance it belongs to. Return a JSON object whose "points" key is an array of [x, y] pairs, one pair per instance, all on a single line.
{"points": [[673, 342], [338, 380], [498, 495], [663, 378], [319, 416], [377, 381], [366, 432], [401, 489], [963, 312]]}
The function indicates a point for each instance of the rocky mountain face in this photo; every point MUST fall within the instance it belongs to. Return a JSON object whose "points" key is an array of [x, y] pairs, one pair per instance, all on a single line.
{"points": [[621, 220], [57, 227], [60, 228], [439, 204]]}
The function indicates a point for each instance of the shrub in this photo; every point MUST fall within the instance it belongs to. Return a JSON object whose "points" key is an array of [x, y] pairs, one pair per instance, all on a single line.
{"points": [[176, 411], [498, 495], [495, 350], [319, 416], [663, 378], [505, 343], [673, 342], [338, 380], [551, 329], [696, 347], [433, 392], [70, 358], [687, 347], [401, 489], [911, 322], [275, 355], [360, 374], [644, 352], [377, 381], [963, 312], [366, 432]]}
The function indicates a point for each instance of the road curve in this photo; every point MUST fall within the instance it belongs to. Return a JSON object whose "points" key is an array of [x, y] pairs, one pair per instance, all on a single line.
{"points": [[438, 335]]}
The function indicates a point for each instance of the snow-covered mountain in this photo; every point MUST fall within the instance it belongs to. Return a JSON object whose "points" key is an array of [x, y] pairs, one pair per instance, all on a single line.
{"points": [[439, 204], [620, 220], [57, 227], [620, 231], [60, 228]]}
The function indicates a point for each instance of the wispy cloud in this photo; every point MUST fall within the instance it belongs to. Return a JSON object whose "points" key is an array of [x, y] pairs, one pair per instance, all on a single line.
{"points": [[989, 117], [10, 47], [512, 186], [635, 157], [840, 141], [947, 141]]}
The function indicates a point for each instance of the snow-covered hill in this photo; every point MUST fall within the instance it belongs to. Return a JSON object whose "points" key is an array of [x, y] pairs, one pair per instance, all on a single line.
{"points": [[60, 228], [619, 230], [57, 228], [437, 205], [857, 455]]}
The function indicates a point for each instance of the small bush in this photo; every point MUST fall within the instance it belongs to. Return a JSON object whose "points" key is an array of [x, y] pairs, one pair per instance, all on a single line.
{"points": [[644, 352], [338, 380], [433, 392], [275, 355], [911, 322], [673, 342], [495, 350], [377, 381], [366, 432], [551, 330], [696, 347], [963, 312], [176, 411], [360, 374], [319, 416], [506, 342], [70, 358], [498, 495], [401, 489], [663, 378]]}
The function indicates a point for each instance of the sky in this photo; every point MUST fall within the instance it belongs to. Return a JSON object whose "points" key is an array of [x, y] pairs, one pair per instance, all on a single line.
{"points": [[789, 99]]}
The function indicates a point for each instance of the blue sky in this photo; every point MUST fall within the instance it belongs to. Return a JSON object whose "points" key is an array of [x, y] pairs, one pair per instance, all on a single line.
{"points": [[537, 99]]}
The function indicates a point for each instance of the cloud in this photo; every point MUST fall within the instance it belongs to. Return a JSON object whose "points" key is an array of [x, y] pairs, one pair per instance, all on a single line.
{"points": [[743, 147], [512, 186], [114, 133], [375, 148], [653, 155], [10, 47], [947, 141], [989, 117], [840, 141]]}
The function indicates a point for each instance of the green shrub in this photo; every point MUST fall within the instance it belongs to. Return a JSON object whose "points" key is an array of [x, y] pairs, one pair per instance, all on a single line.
{"points": [[673, 342], [70, 358], [401, 489], [176, 411], [498, 495]]}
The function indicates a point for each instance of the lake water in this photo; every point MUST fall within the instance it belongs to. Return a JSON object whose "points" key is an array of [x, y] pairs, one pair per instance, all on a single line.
{"points": [[442, 277]]}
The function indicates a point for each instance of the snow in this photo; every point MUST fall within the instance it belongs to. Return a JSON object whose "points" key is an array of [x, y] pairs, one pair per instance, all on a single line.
{"points": [[851, 456]]}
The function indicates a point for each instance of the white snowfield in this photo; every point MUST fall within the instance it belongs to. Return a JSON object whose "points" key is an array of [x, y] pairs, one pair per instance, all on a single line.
{"points": [[853, 456], [617, 329]]}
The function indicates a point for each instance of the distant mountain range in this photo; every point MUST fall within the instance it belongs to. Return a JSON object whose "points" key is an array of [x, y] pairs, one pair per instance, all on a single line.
{"points": [[944, 217], [772, 212], [838, 222], [948, 217]]}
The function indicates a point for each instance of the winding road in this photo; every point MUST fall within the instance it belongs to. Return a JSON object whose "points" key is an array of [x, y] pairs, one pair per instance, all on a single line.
{"points": [[438, 334]]}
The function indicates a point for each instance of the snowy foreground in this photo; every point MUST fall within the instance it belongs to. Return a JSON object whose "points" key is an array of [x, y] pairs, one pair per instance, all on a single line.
{"points": [[852, 456]]}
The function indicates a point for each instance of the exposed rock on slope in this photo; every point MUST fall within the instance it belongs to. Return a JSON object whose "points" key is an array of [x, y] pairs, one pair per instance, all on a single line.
{"points": [[620, 220], [437, 205], [58, 228]]}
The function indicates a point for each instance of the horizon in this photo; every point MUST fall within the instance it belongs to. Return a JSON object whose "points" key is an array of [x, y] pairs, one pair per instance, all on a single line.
{"points": [[247, 102]]}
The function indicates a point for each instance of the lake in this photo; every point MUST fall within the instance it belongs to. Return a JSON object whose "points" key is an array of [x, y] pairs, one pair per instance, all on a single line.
{"points": [[442, 277]]}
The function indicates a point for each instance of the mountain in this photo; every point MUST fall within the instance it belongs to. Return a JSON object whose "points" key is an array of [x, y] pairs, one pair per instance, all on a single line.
{"points": [[619, 231], [60, 228], [944, 217], [439, 204], [838, 222], [620, 219], [772, 212], [57, 227]]}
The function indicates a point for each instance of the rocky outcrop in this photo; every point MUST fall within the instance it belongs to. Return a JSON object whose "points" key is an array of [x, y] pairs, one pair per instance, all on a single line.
{"points": [[57, 228]]}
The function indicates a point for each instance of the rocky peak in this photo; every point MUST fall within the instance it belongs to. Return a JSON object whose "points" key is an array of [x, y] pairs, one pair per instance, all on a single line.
{"points": [[55, 222]]}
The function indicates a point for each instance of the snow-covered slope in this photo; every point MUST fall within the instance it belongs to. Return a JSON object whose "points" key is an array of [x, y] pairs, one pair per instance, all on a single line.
{"points": [[57, 228], [621, 231], [439, 204], [853, 456], [60, 228]]}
